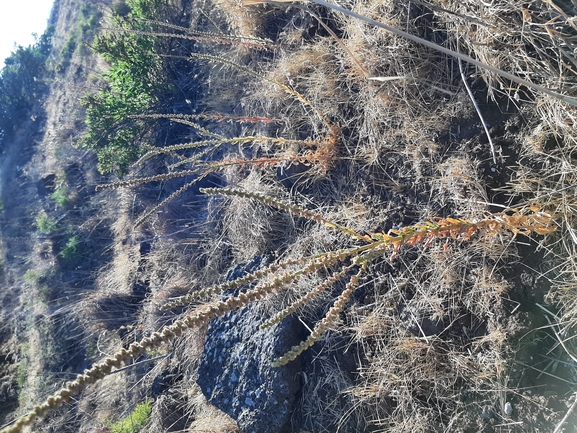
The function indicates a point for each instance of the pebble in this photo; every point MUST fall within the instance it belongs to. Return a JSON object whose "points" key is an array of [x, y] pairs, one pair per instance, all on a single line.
{"points": [[508, 409]]}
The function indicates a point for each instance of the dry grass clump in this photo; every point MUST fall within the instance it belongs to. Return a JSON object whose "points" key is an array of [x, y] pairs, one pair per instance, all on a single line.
{"points": [[122, 272], [207, 418], [328, 406], [113, 303], [547, 169], [305, 97], [532, 39], [252, 228], [241, 20], [434, 346], [169, 272], [457, 182], [312, 71], [406, 100]]}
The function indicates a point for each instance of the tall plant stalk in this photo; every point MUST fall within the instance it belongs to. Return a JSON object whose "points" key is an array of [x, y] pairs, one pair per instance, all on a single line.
{"points": [[527, 220]]}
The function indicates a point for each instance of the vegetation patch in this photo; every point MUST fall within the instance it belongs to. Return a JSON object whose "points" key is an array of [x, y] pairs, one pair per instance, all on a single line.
{"points": [[81, 36], [22, 376], [61, 196], [134, 422], [46, 224], [414, 212], [71, 249], [22, 80], [134, 83], [31, 277]]}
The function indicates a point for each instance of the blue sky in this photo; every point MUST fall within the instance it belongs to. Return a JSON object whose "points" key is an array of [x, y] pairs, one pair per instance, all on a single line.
{"points": [[18, 20]]}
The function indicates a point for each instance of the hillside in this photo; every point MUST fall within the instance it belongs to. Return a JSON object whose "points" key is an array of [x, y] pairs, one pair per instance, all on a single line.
{"points": [[46, 194], [193, 169]]}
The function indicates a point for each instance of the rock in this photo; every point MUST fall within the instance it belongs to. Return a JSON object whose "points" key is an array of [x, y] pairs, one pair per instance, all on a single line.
{"points": [[235, 373], [508, 409]]}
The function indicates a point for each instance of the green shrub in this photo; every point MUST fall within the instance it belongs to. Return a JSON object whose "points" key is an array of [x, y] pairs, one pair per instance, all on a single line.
{"points": [[71, 249], [69, 46], [61, 196], [133, 85], [135, 421], [31, 277], [22, 79], [81, 35], [22, 373], [44, 293], [46, 224]]}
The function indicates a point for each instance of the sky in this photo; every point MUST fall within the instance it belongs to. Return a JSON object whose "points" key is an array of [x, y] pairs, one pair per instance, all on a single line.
{"points": [[18, 20]]}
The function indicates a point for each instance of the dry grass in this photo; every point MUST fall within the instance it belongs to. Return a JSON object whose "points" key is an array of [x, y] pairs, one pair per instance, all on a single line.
{"points": [[412, 382], [432, 333], [433, 326], [268, 229], [240, 19], [428, 342], [208, 419]]}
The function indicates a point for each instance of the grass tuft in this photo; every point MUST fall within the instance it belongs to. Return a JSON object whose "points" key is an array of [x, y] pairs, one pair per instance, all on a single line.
{"points": [[134, 422]]}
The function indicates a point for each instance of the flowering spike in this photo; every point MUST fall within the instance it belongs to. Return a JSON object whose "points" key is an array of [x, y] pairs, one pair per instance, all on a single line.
{"points": [[322, 327], [306, 298], [526, 220], [294, 209]]}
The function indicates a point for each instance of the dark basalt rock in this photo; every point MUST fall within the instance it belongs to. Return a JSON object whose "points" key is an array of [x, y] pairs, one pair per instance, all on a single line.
{"points": [[235, 373]]}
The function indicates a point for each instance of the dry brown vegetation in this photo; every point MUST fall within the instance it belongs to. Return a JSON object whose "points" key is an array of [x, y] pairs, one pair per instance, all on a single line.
{"points": [[372, 132]]}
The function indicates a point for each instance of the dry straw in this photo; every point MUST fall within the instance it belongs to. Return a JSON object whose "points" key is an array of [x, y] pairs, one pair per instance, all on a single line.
{"points": [[526, 221], [463, 57], [350, 263]]}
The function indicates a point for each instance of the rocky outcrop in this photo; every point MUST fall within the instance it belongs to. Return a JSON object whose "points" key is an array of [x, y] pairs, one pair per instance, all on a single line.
{"points": [[235, 373]]}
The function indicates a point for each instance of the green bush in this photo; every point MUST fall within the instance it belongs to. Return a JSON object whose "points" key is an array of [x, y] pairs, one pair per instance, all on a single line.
{"points": [[72, 248], [81, 35], [46, 224], [22, 373], [44, 293], [30, 277], [135, 421], [61, 196], [132, 85], [22, 79], [69, 46]]}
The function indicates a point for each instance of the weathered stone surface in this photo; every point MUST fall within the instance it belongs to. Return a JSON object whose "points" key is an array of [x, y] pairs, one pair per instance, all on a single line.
{"points": [[235, 373]]}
